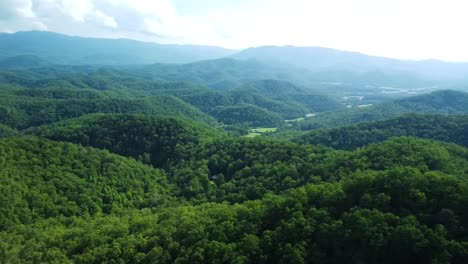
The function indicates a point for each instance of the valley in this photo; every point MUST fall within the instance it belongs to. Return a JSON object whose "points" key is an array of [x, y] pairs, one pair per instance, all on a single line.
{"points": [[120, 151]]}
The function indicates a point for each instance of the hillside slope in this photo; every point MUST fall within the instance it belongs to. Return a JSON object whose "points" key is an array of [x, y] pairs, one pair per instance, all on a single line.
{"points": [[439, 102], [150, 139], [439, 127], [45, 179]]}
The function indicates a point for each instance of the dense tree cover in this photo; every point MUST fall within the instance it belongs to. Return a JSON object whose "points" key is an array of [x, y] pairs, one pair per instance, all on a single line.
{"points": [[25, 108], [251, 114], [7, 132], [395, 216], [439, 102], [248, 200], [215, 198], [149, 139], [279, 97], [237, 170], [289, 93], [45, 179], [22, 61], [62, 93], [439, 127], [223, 73]]}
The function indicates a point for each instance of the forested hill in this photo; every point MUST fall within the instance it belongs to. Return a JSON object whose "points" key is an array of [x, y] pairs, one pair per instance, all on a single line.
{"points": [[184, 163], [76, 182], [149, 139], [21, 108], [259, 103], [62, 49], [289, 94], [23, 62], [223, 73], [108, 90], [439, 102], [439, 127], [288, 203]]}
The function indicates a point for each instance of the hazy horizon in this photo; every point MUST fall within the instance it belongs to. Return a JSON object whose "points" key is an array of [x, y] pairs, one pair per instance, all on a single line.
{"points": [[416, 30]]}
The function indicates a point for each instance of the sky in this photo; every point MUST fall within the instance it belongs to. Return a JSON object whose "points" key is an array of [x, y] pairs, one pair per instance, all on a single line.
{"points": [[403, 29]]}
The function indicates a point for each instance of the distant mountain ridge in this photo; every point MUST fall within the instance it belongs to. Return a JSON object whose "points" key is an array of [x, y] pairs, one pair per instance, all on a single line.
{"points": [[63, 49], [326, 59]]}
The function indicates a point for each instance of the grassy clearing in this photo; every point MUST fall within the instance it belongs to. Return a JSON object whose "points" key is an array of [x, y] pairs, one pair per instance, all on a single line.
{"points": [[294, 120], [251, 135], [263, 129], [300, 118], [254, 132]]}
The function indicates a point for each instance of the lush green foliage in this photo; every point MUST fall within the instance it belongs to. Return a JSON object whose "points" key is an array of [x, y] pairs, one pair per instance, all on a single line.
{"points": [[398, 214], [7, 132], [284, 98], [271, 97], [45, 179], [251, 114], [439, 127], [247, 169], [149, 139], [397, 201], [23, 108], [441, 102], [221, 74], [209, 196], [22, 61]]}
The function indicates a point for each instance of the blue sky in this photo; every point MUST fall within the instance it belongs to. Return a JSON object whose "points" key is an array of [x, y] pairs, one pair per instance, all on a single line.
{"points": [[406, 29]]}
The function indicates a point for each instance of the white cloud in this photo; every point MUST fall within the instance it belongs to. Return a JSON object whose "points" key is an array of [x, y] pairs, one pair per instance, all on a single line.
{"points": [[10, 9], [78, 10], [105, 19]]}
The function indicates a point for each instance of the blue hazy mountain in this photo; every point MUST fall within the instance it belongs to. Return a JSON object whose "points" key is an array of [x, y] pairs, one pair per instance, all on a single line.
{"points": [[62, 49], [328, 60], [23, 62]]}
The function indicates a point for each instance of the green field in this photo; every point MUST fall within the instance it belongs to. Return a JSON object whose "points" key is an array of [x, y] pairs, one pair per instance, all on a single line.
{"points": [[259, 131], [300, 118], [294, 120]]}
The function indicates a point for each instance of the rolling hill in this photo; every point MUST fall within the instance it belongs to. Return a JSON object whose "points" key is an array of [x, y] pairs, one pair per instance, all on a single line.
{"points": [[114, 162], [439, 102], [77, 181], [451, 128], [152, 140], [223, 73], [23, 62], [21, 108]]}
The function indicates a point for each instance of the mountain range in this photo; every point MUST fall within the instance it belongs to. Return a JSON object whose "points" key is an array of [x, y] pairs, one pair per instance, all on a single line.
{"points": [[119, 151], [62, 49]]}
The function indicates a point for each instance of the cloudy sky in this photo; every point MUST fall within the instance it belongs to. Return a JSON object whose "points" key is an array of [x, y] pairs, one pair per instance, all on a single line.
{"points": [[407, 29]]}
